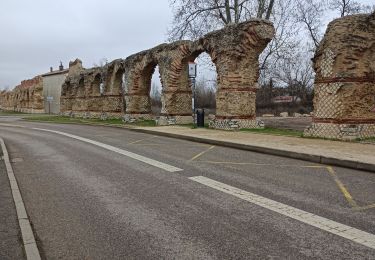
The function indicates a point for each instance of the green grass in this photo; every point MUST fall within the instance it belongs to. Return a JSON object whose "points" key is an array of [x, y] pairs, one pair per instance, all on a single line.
{"points": [[72, 120], [274, 131], [367, 140], [10, 113]]}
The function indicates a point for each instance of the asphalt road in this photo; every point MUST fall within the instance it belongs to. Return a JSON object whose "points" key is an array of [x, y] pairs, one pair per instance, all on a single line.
{"points": [[88, 202]]}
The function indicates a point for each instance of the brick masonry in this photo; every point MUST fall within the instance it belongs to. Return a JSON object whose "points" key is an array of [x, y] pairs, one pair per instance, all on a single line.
{"points": [[121, 88], [344, 100]]}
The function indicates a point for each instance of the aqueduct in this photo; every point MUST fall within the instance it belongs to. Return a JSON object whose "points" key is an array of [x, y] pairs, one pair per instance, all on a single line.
{"points": [[234, 50], [344, 101]]}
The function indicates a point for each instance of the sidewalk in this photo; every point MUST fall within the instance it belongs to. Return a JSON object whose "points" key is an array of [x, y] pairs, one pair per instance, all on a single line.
{"points": [[10, 234], [345, 154]]}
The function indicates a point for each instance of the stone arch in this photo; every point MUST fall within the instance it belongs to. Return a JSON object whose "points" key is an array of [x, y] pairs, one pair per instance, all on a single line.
{"points": [[95, 85], [118, 81], [138, 73], [81, 87], [67, 96]]}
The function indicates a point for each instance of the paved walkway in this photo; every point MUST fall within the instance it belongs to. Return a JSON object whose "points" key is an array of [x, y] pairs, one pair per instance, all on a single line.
{"points": [[346, 154]]}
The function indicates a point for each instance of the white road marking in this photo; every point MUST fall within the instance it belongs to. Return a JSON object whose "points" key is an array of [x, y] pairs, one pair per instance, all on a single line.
{"points": [[28, 239], [10, 125], [135, 156], [353, 234]]}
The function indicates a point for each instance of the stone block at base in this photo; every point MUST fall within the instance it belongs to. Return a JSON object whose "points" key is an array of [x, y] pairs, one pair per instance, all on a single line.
{"points": [[174, 120], [340, 131], [131, 118], [235, 124]]}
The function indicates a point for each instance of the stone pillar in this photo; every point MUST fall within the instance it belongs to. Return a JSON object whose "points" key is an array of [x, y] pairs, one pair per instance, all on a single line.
{"points": [[344, 101], [235, 51], [138, 72], [176, 93]]}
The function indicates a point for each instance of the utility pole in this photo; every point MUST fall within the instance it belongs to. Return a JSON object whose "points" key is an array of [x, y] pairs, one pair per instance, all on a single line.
{"points": [[192, 68]]}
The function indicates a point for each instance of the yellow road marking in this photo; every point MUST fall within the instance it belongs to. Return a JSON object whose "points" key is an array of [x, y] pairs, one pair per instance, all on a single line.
{"points": [[201, 153], [164, 144], [342, 187], [365, 207], [262, 164], [10, 125], [138, 141]]}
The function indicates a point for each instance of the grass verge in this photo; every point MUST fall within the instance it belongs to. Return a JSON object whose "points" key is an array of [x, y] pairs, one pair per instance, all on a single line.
{"points": [[274, 131], [72, 120], [10, 113]]}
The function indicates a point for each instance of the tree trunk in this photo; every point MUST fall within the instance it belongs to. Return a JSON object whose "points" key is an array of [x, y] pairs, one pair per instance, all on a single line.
{"points": [[270, 8], [227, 11]]}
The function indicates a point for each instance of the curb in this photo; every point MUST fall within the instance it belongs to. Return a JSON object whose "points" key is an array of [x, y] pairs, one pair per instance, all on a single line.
{"points": [[259, 149], [28, 239]]}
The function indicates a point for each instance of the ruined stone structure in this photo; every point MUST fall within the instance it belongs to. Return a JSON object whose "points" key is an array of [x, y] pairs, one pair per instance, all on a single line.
{"points": [[344, 63], [93, 93], [234, 50], [26, 97]]}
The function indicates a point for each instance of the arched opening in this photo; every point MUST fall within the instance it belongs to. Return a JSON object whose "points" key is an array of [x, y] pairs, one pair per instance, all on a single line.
{"points": [[69, 95], [156, 92], [118, 82], [81, 88], [206, 84], [95, 85], [145, 84]]}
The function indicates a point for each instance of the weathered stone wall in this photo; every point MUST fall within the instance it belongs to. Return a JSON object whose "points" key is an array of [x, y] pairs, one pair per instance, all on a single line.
{"points": [[234, 50], [126, 83], [81, 95], [26, 97], [344, 101]]}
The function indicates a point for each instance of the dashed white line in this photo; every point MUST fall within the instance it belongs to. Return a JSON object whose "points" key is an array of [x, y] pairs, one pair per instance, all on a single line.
{"points": [[132, 155], [350, 233]]}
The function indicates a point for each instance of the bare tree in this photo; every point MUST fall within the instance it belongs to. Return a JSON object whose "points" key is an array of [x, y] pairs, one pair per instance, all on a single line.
{"points": [[194, 18], [309, 13], [347, 7]]}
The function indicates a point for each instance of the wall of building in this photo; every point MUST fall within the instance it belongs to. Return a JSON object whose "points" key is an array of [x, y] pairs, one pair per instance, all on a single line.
{"points": [[52, 83]]}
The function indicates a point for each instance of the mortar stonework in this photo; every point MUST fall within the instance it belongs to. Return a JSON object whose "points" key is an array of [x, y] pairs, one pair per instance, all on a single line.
{"points": [[344, 100], [234, 50], [26, 97], [121, 88]]}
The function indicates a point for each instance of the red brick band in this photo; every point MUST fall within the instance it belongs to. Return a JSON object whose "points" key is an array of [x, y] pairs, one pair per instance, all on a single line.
{"points": [[344, 121], [345, 80], [236, 117], [176, 114], [136, 94], [104, 96], [88, 111], [135, 112], [238, 89], [177, 91]]}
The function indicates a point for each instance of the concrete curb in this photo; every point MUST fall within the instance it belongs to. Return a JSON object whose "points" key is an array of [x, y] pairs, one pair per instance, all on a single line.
{"points": [[289, 154], [273, 151], [28, 239]]}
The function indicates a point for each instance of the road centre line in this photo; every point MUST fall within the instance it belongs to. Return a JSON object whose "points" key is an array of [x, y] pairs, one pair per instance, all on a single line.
{"points": [[342, 187], [201, 153], [132, 155], [144, 139], [350, 233]]}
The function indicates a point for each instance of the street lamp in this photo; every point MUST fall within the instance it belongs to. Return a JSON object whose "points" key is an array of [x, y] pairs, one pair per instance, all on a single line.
{"points": [[192, 69]]}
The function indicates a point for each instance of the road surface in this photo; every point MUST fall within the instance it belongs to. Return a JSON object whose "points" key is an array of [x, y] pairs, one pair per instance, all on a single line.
{"points": [[96, 192]]}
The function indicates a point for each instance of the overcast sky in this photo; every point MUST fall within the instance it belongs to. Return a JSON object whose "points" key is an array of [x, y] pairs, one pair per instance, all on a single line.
{"points": [[37, 34]]}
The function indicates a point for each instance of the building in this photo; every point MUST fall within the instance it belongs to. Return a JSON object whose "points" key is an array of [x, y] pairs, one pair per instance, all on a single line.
{"points": [[52, 82]]}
